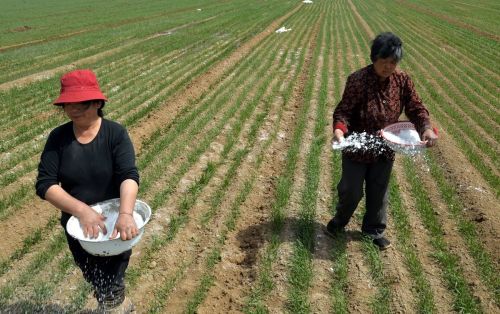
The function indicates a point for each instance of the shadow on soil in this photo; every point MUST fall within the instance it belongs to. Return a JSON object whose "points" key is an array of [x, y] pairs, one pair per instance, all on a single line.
{"points": [[255, 236]]}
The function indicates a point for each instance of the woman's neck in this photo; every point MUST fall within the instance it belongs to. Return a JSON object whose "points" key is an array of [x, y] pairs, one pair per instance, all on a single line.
{"points": [[89, 125]]}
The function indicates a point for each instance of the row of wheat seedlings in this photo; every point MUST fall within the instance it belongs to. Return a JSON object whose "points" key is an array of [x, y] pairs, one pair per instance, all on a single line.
{"points": [[300, 269], [339, 254], [106, 36]]}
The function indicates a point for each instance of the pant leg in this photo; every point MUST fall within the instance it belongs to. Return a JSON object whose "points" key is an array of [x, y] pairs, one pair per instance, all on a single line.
{"points": [[105, 273], [377, 183], [350, 190]]}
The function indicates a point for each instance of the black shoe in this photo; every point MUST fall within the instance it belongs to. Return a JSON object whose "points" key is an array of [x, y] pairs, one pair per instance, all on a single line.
{"points": [[382, 243], [332, 229]]}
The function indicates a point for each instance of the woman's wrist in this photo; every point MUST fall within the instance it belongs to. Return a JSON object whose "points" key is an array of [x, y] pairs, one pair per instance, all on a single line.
{"points": [[126, 214]]}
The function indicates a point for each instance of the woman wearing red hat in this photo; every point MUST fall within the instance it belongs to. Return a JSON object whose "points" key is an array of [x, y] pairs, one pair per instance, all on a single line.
{"points": [[85, 161]]}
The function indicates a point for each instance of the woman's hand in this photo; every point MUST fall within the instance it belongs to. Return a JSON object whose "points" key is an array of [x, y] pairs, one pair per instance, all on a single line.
{"points": [[429, 137], [91, 221], [125, 225], [338, 136]]}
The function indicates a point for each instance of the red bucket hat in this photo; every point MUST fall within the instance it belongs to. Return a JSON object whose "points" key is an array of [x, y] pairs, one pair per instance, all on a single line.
{"points": [[78, 86]]}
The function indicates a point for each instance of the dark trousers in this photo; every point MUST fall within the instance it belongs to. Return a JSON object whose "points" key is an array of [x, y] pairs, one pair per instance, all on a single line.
{"points": [[376, 177], [105, 273]]}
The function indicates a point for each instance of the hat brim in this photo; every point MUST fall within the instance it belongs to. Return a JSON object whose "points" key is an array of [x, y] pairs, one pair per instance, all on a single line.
{"points": [[79, 96]]}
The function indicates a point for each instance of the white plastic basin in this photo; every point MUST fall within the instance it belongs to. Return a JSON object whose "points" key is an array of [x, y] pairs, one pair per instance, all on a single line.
{"points": [[103, 245], [403, 138]]}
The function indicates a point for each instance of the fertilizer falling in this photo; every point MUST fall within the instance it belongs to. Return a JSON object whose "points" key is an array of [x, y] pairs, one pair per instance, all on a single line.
{"points": [[359, 142]]}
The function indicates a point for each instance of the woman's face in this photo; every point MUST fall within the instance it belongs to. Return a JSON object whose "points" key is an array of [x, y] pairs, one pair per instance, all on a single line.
{"points": [[385, 67], [81, 111]]}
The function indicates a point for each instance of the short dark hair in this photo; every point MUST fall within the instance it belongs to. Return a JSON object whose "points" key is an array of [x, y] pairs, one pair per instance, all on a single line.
{"points": [[386, 45], [100, 113]]}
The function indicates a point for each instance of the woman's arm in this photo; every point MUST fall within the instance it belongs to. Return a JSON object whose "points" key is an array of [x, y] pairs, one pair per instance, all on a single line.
{"points": [[125, 224], [418, 114]]}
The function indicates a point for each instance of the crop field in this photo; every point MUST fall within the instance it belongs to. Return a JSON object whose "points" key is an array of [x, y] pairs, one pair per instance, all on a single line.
{"points": [[231, 124]]}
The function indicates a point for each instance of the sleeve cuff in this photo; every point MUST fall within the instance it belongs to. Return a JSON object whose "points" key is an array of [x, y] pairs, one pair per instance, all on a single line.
{"points": [[341, 126]]}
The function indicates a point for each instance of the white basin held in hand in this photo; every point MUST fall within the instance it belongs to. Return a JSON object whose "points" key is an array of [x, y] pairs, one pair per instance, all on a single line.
{"points": [[103, 245]]}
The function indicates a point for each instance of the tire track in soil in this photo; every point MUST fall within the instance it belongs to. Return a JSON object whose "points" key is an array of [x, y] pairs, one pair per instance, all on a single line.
{"points": [[421, 241], [456, 243], [162, 116]]}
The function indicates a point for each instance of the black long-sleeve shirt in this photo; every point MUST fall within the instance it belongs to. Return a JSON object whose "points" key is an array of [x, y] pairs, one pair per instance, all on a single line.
{"points": [[89, 172]]}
